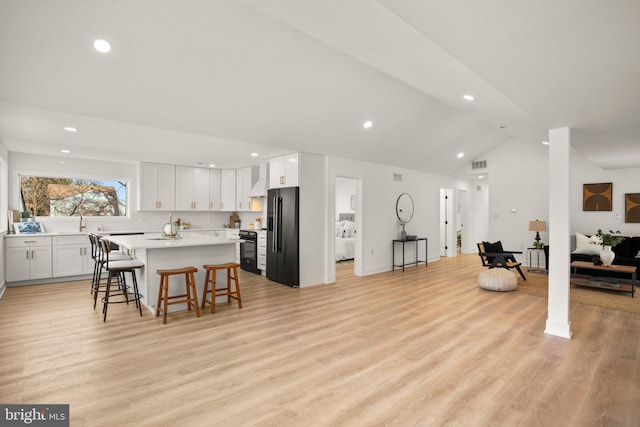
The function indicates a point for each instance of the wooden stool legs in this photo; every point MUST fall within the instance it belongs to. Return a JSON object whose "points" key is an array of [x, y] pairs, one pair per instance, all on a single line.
{"points": [[190, 296], [211, 279]]}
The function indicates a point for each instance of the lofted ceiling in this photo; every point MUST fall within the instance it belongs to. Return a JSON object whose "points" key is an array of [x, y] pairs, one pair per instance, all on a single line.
{"points": [[199, 81]]}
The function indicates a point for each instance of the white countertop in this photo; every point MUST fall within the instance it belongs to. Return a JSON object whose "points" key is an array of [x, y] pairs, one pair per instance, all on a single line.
{"points": [[156, 241]]}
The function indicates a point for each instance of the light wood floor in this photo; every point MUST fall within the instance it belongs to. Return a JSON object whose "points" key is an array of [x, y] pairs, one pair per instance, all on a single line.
{"points": [[424, 347]]}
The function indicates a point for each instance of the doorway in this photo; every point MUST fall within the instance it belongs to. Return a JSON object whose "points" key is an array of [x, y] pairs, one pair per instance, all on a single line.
{"points": [[347, 226], [453, 216]]}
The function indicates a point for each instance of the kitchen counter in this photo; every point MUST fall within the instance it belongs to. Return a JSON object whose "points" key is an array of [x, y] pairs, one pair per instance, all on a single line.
{"points": [[156, 241], [191, 250]]}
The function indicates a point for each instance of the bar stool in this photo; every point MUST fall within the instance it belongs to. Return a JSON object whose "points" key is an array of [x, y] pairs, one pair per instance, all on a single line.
{"points": [[212, 269], [191, 297], [117, 269], [96, 255]]}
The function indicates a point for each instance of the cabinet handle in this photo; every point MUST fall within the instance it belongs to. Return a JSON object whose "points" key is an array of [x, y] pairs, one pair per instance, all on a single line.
{"points": [[32, 254], [27, 253], [160, 204], [221, 205], [282, 180]]}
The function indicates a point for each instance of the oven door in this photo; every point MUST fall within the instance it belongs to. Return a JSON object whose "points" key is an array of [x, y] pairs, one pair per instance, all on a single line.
{"points": [[249, 256]]}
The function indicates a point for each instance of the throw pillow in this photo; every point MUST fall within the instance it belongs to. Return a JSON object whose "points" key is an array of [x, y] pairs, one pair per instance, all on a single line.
{"points": [[588, 245], [492, 248]]}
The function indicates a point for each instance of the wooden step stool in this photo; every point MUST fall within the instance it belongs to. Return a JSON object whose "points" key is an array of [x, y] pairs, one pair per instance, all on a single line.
{"points": [[212, 269], [190, 297]]}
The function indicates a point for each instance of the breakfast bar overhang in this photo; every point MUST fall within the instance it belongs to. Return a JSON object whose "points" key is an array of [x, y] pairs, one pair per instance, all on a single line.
{"points": [[157, 252]]}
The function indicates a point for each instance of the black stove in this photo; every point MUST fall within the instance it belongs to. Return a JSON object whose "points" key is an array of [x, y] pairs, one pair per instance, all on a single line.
{"points": [[249, 251]]}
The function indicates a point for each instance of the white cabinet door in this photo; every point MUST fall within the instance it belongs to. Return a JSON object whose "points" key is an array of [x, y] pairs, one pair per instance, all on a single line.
{"points": [[148, 188], [167, 187], [192, 188], [214, 189], [184, 188], [157, 189], [68, 260], [243, 187], [228, 190], [201, 189], [17, 262], [283, 171], [41, 266]]}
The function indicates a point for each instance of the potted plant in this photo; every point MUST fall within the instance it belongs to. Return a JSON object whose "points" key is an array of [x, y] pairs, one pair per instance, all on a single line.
{"points": [[608, 240]]}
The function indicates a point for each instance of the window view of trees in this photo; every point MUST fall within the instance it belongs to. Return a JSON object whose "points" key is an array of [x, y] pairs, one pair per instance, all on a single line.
{"points": [[48, 196]]}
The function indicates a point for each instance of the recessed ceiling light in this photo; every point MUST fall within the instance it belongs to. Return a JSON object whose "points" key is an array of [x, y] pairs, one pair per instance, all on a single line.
{"points": [[71, 129], [460, 155], [480, 176], [545, 142], [469, 97], [65, 151], [211, 165], [102, 46], [254, 154], [367, 124]]}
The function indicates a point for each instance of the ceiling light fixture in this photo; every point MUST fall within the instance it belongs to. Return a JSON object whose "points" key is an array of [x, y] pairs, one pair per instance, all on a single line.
{"points": [[254, 154], [469, 97], [545, 142], [102, 46], [65, 151], [71, 129], [211, 165], [367, 124], [480, 176], [460, 155]]}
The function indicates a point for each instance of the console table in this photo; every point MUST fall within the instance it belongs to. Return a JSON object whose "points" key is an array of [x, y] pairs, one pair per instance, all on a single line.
{"points": [[403, 243], [603, 281]]}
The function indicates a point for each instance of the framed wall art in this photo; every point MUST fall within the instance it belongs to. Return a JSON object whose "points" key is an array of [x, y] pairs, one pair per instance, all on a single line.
{"points": [[632, 207], [597, 197]]}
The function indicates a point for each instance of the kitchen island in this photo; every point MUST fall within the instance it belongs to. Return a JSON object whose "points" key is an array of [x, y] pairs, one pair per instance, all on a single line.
{"points": [[157, 253]]}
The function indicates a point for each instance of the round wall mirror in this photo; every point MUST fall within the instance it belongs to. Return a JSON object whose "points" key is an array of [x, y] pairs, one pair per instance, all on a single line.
{"points": [[404, 207]]}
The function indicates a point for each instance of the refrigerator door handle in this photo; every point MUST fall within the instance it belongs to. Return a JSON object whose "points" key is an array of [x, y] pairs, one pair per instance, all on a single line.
{"points": [[274, 245]]}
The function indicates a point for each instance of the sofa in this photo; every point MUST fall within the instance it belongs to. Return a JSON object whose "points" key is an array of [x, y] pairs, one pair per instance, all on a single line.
{"points": [[626, 252]]}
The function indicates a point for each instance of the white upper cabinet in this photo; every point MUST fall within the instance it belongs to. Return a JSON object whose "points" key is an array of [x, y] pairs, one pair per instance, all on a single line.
{"points": [[192, 188], [228, 190], [214, 189], [243, 187], [157, 189], [283, 171]]}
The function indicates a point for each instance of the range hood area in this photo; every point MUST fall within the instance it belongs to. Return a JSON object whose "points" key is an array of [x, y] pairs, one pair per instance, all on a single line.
{"points": [[259, 180]]}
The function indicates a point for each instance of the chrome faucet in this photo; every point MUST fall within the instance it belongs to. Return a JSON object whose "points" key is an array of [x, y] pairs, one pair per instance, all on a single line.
{"points": [[82, 227]]}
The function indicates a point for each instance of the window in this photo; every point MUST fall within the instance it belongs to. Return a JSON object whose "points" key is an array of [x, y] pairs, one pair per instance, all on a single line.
{"points": [[64, 197]]}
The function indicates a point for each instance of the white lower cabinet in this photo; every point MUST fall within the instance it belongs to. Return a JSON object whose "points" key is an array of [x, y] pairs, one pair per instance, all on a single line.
{"points": [[262, 251], [27, 258], [234, 233], [71, 256]]}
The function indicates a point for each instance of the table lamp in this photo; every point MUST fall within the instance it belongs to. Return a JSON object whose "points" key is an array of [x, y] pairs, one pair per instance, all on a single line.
{"points": [[537, 226]]}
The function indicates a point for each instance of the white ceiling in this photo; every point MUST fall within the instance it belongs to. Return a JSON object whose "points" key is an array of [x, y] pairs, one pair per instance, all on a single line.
{"points": [[201, 81]]}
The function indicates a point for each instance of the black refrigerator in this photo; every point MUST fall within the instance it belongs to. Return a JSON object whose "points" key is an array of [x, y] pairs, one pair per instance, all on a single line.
{"points": [[282, 236]]}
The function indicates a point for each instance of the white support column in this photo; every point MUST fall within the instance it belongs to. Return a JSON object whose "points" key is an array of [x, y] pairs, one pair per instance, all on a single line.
{"points": [[559, 234]]}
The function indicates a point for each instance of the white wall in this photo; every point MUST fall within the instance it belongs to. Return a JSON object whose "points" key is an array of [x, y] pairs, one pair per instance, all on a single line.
{"points": [[518, 179], [378, 223], [4, 197], [313, 218], [345, 189], [624, 181]]}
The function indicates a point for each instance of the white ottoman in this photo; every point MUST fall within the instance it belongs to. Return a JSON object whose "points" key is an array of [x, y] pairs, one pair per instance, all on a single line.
{"points": [[498, 279]]}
